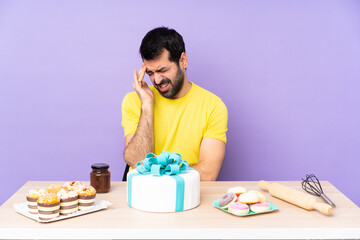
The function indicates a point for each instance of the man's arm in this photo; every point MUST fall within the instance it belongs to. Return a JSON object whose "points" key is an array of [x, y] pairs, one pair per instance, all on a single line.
{"points": [[140, 143], [211, 156]]}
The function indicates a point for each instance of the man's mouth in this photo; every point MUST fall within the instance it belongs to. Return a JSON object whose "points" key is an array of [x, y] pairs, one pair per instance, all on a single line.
{"points": [[164, 87]]}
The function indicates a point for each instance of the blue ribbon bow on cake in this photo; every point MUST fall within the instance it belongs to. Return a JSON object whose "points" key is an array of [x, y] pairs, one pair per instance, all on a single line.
{"points": [[165, 163]]}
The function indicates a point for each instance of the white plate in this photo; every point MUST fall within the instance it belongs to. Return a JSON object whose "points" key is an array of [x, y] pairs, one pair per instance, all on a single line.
{"points": [[22, 208]]}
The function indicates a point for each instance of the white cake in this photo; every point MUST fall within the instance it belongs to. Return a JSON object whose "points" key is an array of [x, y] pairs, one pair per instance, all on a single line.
{"points": [[159, 193]]}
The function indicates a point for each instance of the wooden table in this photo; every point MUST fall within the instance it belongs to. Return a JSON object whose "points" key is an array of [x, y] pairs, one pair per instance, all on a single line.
{"points": [[122, 222]]}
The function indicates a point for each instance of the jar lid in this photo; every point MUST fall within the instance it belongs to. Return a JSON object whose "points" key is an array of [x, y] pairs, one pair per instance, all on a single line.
{"points": [[100, 166]]}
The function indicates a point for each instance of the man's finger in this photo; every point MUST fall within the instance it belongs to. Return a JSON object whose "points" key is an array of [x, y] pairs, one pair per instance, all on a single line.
{"points": [[141, 73], [136, 82]]}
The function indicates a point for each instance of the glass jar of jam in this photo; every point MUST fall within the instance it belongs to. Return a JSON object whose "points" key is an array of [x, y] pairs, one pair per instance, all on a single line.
{"points": [[100, 177]]}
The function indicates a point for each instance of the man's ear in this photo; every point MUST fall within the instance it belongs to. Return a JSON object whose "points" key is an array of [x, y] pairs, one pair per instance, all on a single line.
{"points": [[183, 62]]}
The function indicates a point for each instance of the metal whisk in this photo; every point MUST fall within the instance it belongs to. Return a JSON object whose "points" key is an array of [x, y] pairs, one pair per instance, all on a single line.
{"points": [[312, 185]]}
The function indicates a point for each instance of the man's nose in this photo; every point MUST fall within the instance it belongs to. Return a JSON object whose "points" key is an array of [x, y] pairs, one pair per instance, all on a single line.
{"points": [[157, 78]]}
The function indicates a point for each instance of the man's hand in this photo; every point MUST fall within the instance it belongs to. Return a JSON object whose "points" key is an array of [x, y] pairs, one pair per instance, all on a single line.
{"points": [[140, 86]]}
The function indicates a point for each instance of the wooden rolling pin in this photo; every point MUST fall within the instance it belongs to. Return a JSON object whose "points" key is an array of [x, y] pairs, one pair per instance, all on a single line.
{"points": [[295, 197]]}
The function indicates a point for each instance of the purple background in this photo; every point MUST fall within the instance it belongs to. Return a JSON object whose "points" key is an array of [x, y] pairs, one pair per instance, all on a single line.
{"points": [[287, 70]]}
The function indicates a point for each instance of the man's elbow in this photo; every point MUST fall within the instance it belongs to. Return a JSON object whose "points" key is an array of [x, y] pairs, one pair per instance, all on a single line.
{"points": [[207, 177], [206, 174], [127, 158]]}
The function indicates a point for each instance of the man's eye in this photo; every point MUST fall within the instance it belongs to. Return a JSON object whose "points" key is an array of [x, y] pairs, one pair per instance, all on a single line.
{"points": [[149, 73]]}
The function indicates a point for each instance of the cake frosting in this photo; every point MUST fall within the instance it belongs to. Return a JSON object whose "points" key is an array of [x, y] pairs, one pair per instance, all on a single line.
{"points": [[74, 185], [163, 183], [54, 188], [64, 194], [36, 193]]}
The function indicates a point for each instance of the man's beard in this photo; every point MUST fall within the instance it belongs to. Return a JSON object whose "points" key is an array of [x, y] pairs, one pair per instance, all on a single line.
{"points": [[175, 86]]}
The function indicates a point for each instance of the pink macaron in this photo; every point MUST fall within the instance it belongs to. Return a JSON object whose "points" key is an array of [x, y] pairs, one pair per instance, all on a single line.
{"points": [[238, 208], [260, 207]]}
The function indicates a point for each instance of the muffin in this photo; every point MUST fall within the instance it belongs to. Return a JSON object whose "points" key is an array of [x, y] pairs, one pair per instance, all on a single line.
{"points": [[68, 201], [48, 206], [32, 196], [54, 188], [74, 185], [86, 197]]}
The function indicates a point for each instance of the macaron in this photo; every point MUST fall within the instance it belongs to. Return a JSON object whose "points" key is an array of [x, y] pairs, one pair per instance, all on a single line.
{"points": [[248, 198], [260, 195], [260, 207], [237, 190], [237, 208]]}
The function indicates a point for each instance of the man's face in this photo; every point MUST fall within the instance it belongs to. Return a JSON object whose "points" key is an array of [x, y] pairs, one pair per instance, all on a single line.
{"points": [[166, 76]]}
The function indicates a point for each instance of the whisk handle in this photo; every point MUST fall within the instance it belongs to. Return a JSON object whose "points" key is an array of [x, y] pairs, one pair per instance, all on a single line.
{"points": [[326, 199]]}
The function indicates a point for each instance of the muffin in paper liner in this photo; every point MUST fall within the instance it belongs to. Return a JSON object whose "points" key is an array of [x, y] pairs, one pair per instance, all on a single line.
{"points": [[69, 201], [87, 197], [48, 206]]}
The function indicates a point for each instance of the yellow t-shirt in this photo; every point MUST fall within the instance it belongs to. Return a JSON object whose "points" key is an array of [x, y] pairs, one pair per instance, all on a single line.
{"points": [[180, 124]]}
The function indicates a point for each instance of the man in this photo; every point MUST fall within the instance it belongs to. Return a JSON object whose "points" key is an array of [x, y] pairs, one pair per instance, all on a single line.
{"points": [[174, 114]]}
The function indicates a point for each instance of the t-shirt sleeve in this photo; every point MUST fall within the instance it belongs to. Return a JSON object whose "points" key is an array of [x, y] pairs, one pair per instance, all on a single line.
{"points": [[130, 110], [217, 122]]}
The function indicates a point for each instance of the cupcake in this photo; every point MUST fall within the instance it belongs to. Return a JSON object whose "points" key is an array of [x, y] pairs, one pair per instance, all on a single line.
{"points": [[86, 197], [68, 201], [74, 185], [54, 188], [32, 196], [48, 206]]}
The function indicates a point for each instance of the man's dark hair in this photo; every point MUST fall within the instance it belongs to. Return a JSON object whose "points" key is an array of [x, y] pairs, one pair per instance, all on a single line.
{"points": [[159, 39]]}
